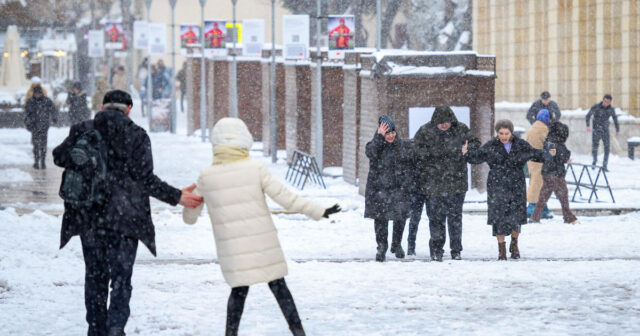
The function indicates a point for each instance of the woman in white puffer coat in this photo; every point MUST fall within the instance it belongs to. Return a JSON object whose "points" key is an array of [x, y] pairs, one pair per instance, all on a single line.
{"points": [[247, 244]]}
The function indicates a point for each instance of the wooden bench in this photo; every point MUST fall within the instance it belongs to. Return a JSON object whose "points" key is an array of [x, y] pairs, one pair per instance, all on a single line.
{"points": [[632, 143]]}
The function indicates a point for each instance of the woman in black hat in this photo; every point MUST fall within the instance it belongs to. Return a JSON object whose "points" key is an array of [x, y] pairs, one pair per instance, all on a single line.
{"points": [[389, 185]]}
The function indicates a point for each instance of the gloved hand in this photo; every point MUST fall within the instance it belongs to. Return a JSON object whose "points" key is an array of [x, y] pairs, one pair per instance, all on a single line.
{"points": [[329, 211]]}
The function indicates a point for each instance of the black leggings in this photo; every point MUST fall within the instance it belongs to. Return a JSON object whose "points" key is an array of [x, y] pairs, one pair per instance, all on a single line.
{"points": [[279, 288]]}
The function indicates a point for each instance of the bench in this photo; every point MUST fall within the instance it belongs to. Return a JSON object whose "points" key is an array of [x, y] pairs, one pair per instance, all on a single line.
{"points": [[632, 143]]}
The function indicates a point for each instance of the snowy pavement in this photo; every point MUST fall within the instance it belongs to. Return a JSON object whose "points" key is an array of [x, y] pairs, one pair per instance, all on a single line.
{"points": [[571, 280]]}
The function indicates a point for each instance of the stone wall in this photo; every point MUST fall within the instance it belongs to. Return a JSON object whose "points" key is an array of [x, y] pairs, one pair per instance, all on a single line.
{"points": [[297, 107], [332, 115]]}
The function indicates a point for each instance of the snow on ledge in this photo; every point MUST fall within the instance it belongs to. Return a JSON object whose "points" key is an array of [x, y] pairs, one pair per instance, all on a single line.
{"points": [[379, 55], [402, 70]]}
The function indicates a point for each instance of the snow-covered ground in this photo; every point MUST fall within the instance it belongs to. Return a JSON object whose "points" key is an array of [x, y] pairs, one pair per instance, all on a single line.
{"points": [[572, 280]]}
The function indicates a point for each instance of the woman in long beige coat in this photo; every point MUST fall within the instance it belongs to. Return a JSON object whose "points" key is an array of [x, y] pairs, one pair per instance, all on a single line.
{"points": [[535, 137], [247, 244]]}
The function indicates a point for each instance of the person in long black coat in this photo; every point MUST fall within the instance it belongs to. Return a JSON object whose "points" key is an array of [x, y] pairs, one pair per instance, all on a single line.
{"points": [[506, 187], [389, 186], [40, 112], [109, 233], [443, 177], [77, 102]]}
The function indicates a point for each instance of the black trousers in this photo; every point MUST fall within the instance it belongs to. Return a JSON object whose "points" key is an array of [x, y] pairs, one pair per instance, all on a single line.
{"points": [[419, 202], [441, 210], [381, 227], [235, 307], [109, 257], [597, 135], [39, 141]]}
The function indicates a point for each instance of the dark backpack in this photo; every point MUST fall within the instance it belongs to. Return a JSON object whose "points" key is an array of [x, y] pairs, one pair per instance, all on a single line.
{"points": [[84, 182]]}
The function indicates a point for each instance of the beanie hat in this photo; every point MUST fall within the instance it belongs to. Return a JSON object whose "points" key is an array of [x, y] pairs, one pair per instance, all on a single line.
{"points": [[36, 80], [387, 120], [543, 115], [231, 132]]}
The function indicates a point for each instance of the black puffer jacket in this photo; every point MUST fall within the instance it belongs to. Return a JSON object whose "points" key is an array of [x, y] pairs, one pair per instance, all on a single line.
{"points": [[554, 166], [390, 183], [443, 170], [39, 113], [130, 165]]}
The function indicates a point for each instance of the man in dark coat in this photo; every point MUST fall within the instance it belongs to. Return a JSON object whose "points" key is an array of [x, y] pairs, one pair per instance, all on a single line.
{"points": [[544, 102], [444, 177], [110, 232], [77, 102], [601, 112], [40, 112], [389, 186]]}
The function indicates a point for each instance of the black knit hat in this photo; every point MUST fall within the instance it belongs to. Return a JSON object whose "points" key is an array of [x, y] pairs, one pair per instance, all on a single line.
{"points": [[387, 120]]}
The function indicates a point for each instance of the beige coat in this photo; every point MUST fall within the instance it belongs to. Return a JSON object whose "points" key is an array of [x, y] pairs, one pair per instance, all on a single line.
{"points": [[535, 137], [246, 239]]}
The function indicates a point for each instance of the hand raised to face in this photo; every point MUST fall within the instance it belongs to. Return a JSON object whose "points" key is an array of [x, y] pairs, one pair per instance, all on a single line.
{"points": [[383, 128]]}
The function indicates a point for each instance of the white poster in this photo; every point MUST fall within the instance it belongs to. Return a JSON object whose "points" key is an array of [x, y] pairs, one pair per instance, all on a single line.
{"points": [[253, 37], [157, 38], [419, 116], [295, 36], [140, 35], [96, 43]]}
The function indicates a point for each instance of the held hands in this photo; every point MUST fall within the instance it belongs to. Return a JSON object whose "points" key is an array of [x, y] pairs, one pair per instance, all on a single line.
{"points": [[552, 152], [189, 199], [329, 211], [382, 129], [465, 147], [588, 128]]}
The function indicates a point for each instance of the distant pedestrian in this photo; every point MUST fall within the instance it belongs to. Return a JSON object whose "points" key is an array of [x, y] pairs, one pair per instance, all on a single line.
{"points": [[535, 137], [506, 188], [110, 231], [553, 173], [181, 77], [40, 112], [77, 103], [35, 81], [601, 112], [389, 187], [102, 87], [544, 102], [158, 83], [119, 79], [246, 240], [444, 177]]}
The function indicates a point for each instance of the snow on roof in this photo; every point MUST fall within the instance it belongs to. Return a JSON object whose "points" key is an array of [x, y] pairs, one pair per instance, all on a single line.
{"points": [[404, 70], [379, 55]]}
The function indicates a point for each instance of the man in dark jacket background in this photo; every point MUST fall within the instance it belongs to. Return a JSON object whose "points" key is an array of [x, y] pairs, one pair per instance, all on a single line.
{"points": [[40, 112], [77, 102], [443, 179], [110, 233], [544, 102], [601, 112]]}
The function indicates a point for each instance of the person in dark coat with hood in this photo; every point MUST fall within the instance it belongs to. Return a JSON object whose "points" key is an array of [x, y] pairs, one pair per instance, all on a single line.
{"points": [[389, 186], [506, 188], [544, 102], [77, 102], [553, 173], [40, 112], [110, 232], [444, 178]]}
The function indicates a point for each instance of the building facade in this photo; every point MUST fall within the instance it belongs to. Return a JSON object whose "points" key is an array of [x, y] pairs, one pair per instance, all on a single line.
{"points": [[577, 50]]}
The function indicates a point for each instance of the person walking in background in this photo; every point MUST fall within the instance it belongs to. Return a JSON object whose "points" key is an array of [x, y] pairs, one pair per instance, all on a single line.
{"points": [[109, 232], [35, 81], [536, 136], [601, 112], [158, 83], [444, 177], [246, 240], [102, 87], [77, 103], [389, 186], [40, 112], [119, 79], [181, 77], [544, 102], [553, 173], [506, 188]]}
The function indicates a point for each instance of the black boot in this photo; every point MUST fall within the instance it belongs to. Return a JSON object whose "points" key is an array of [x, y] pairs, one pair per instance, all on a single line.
{"points": [[513, 248], [502, 251], [411, 249], [455, 255], [396, 243], [116, 332], [381, 228]]}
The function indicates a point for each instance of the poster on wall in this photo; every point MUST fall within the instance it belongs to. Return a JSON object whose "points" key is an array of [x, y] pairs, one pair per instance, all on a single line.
{"points": [[295, 36], [253, 37], [341, 34], [419, 116], [96, 43], [140, 35], [157, 38], [160, 115], [215, 32], [189, 36], [113, 35]]}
